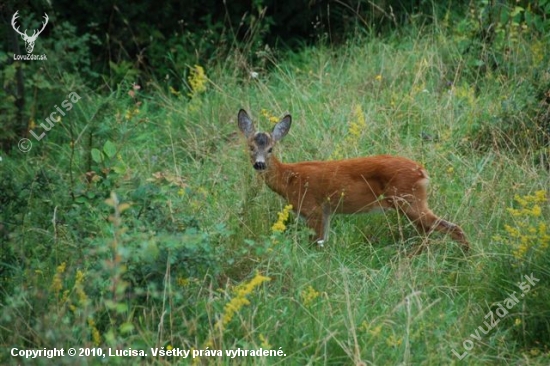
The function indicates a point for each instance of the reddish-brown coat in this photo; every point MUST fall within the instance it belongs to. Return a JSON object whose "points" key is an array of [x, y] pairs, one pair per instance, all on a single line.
{"points": [[317, 189]]}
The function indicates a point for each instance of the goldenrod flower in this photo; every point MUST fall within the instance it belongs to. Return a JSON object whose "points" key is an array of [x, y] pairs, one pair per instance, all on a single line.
{"points": [[393, 341], [280, 226], [540, 196], [79, 289], [182, 281], [309, 295], [96, 337], [197, 80], [514, 233], [536, 211], [356, 127], [174, 91], [376, 331], [57, 282], [364, 326], [466, 93], [240, 300], [529, 233], [264, 343], [129, 114], [270, 117]]}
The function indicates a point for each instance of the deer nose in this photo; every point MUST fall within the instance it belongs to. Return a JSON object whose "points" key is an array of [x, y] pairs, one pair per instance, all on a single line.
{"points": [[259, 165]]}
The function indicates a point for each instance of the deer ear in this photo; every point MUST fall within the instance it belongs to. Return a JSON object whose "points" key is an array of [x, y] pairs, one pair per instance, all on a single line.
{"points": [[281, 128], [245, 124]]}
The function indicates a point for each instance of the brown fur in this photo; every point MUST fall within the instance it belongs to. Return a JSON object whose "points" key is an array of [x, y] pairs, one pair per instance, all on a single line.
{"points": [[317, 189]]}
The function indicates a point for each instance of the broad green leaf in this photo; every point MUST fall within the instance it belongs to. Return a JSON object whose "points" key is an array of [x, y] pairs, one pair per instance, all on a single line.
{"points": [[109, 149], [96, 155]]}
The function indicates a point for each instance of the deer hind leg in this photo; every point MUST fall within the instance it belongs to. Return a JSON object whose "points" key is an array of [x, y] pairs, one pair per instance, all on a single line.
{"points": [[427, 221]]}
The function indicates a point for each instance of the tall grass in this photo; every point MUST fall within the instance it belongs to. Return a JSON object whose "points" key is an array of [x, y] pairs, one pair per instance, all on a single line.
{"points": [[169, 241]]}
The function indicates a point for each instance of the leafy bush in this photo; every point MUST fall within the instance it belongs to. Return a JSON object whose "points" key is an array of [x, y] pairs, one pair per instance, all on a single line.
{"points": [[501, 41]]}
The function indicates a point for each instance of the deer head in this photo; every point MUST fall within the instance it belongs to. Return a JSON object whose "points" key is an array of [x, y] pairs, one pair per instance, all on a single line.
{"points": [[261, 143], [29, 40]]}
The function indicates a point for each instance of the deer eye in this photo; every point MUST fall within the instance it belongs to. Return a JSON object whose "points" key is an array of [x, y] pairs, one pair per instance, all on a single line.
{"points": [[270, 150], [251, 148]]}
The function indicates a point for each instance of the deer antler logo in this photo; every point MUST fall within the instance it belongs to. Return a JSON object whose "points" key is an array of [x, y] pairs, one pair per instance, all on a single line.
{"points": [[29, 40]]}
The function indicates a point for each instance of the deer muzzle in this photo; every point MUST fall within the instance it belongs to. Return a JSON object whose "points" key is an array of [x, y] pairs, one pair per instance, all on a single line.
{"points": [[259, 165]]}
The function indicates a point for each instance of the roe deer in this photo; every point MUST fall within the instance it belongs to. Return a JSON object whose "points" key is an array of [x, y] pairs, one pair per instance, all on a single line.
{"points": [[317, 189]]}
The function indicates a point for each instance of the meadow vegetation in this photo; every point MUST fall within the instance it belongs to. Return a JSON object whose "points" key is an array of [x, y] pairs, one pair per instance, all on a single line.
{"points": [[139, 221]]}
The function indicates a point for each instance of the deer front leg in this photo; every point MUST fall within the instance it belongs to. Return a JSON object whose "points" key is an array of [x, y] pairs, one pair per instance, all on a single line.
{"points": [[320, 222]]}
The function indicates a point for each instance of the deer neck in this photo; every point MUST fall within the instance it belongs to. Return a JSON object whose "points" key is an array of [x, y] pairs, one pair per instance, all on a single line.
{"points": [[276, 176]]}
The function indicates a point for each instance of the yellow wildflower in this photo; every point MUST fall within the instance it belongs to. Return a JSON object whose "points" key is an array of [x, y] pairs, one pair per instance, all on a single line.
{"points": [[536, 211], [529, 233], [174, 91], [264, 342], [96, 337], [364, 326], [309, 295], [57, 283], [270, 117], [79, 289], [182, 281], [514, 233], [393, 341], [129, 114], [240, 300], [466, 93], [197, 80], [376, 331], [65, 296], [358, 124], [540, 196], [233, 307], [356, 127], [520, 251], [537, 52], [542, 228], [280, 226]]}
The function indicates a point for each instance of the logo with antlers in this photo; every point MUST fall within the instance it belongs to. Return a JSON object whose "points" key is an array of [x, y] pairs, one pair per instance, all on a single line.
{"points": [[29, 40]]}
